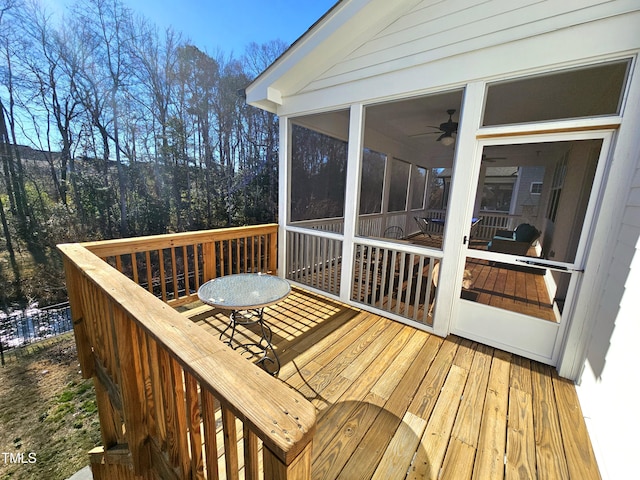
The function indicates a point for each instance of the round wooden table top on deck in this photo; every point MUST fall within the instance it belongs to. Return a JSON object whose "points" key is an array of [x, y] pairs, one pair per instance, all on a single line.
{"points": [[244, 291]]}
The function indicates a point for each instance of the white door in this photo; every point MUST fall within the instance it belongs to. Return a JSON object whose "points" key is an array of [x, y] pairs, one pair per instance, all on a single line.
{"points": [[528, 218]]}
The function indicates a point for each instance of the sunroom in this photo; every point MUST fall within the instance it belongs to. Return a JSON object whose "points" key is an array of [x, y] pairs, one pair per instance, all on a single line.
{"points": [[381, 194]]}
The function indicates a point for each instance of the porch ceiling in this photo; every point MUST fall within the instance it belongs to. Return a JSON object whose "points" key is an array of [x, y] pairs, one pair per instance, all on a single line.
{"points": [[413, 123]]}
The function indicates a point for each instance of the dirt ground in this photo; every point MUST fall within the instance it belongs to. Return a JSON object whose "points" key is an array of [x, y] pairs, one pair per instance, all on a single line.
{"points": [[48, 414]]}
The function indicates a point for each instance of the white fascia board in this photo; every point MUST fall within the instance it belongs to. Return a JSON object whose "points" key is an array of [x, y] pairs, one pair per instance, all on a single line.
{"points": [[348, 24], [274, 95], [257, 92]]}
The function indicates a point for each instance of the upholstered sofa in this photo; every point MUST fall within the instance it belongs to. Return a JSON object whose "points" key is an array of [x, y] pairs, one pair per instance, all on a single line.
{"points": [[516, 242]]}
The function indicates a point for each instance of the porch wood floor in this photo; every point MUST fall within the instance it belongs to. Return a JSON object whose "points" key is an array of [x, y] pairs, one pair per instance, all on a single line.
{"points": [[395, 402], [511, 289]]}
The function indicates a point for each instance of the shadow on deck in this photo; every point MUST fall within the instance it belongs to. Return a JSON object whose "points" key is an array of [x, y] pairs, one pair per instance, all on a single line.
{"points": [[397, 402]]}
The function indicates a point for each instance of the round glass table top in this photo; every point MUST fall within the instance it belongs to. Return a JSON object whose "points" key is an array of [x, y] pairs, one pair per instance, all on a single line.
{"points": [[244, 291]]}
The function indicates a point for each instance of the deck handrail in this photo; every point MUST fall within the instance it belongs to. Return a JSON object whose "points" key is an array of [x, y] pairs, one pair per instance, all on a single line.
{"points": [[173, 266], [160, 379]]}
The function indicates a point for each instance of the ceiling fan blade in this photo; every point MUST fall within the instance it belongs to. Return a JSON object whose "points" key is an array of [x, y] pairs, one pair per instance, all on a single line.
{"points": [[423, 134], [445, 134], [492, 159]]}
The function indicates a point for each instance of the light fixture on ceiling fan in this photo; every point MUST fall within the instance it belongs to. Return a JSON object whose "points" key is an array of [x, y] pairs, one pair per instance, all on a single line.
{"points": [[448, 128]]}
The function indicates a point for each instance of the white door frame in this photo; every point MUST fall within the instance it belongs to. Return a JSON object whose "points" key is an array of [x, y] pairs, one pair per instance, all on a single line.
{"points": [[546, 337]]}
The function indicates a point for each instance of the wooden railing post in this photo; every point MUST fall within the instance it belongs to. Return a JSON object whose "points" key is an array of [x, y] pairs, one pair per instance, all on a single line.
{"points": [[134, 408], [298, 469], [78, 318], [273, 253]]}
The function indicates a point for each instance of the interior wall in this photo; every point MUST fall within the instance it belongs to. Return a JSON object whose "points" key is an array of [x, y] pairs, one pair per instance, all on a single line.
{"points": [[581, 167]]}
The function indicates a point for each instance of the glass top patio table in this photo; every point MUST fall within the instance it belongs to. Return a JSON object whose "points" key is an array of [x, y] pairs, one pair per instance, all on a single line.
{"points": [[244, 291], [246, 295]]}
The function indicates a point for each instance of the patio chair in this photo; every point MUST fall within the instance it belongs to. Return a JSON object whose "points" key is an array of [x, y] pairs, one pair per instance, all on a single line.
{"points": [[516, 242], [394, 232], [423, 225]]}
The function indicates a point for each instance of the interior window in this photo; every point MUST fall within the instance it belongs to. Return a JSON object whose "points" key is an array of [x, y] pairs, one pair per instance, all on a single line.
{"points": [[399, 184], [418, 185], [372, 181]]}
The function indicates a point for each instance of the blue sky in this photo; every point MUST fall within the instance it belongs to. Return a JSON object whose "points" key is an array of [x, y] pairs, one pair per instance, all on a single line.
{"points": [[228, 25]]}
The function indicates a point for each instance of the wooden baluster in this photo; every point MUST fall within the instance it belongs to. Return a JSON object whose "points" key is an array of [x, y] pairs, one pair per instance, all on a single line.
{"points": [[149, 275], [239, 266], [230, 443], [181, 417], [254, 260], [401, 275], [209, 261], [221, 257], [133, 395], [417, 300], [174, 274], [246, 264], [156, 379], [193, 419], [185, 261], [251, 464], [166, 382], [196, 265], [229, 244], [210, 433], [150, 413], [163, 280], [134, 268]]}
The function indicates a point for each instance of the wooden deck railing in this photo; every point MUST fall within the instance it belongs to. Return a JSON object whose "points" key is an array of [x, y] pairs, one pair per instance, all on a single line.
{"points": [[173, 266], [173, 401]]}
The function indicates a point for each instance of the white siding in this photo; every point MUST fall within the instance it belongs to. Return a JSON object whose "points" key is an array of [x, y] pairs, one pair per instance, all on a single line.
{"points": [[436, 30], [610, 380]]}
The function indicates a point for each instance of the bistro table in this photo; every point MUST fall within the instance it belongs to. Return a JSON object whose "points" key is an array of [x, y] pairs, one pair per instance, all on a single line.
{"points": [[246, 295]]}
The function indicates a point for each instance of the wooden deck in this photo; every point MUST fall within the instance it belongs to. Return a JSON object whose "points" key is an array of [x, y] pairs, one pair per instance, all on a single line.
{"points": [[394, 402]]}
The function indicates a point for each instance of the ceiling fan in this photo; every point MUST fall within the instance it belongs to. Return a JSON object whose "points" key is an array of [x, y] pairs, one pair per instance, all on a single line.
{"points": [[446, 130], [487, 159]]}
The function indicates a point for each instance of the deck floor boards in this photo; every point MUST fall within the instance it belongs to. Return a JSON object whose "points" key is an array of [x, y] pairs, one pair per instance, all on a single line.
{"points": [[397, 402]]}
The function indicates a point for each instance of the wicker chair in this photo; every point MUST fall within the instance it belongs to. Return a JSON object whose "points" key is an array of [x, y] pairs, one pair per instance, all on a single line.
{"points": [[516, 242]]}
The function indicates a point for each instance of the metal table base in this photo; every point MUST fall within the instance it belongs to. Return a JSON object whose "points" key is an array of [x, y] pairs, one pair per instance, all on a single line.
{"points": [[268, 358]]}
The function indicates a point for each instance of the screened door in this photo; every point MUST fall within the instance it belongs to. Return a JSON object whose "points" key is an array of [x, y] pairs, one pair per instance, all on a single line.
{"points": [[535, 202]]}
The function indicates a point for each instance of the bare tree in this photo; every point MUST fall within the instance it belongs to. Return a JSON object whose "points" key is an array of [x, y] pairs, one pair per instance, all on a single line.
{"points": [[107, 30], [155, 66], [11, 161], [50, 80]]}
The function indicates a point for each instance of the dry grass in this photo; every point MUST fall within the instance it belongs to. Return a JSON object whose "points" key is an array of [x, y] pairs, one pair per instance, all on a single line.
{"points": [[47, 413]]}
